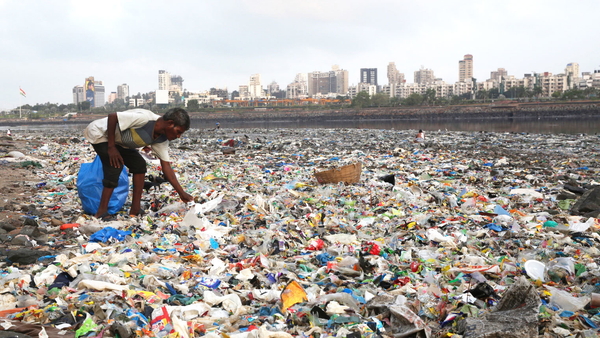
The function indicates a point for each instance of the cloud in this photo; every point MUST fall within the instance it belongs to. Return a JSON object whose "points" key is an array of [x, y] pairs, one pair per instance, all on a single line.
{"points": [[49, 47]]}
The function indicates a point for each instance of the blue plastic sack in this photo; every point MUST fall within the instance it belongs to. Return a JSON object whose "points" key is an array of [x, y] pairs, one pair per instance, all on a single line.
{"points": [[89, 188], [107, 233]]}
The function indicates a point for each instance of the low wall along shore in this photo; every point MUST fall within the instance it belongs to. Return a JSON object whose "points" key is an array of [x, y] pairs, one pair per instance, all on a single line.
{"points": [[448, 112], [522, 110]]}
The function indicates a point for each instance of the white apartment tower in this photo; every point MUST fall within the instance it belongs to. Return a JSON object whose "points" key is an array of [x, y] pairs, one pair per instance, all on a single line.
{"points": [[424, 76], [298, 88], [164, 80], [243, 91], [255, 89], [78, 94], [394, 76], [572, 73], [99, 94]]}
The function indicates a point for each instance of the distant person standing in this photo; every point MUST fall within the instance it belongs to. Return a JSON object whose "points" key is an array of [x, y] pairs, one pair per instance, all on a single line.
{"points": [[8, 133], [218, 125], [420, 138]]}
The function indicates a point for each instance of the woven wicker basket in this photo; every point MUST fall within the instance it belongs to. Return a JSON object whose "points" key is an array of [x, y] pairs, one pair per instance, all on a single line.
{"points": [[348, 174]]}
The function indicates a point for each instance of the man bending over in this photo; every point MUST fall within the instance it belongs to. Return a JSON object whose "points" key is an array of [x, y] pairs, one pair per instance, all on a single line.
{"points": [[116, 139]]}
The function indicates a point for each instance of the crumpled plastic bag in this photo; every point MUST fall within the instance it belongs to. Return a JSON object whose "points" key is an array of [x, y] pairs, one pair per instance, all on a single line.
{"points": [[402, 321], [108, 233], [564, 300], [230, 302], [292, 294]]}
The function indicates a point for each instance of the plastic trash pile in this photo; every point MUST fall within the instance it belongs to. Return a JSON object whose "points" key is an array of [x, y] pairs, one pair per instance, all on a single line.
{"points": [[466, 235]]}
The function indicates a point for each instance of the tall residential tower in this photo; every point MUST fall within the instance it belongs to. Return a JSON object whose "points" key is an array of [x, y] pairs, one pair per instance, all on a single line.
{"points": [[394, 76], [465, 68], [368, 75], [122, 92], [424, 76]]}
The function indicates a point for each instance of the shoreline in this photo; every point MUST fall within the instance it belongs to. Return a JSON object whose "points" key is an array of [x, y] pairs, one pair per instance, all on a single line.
{"points": [[480, 112]]}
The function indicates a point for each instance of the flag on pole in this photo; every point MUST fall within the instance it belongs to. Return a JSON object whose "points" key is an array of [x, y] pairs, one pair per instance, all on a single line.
{"points": [[22, 92]]}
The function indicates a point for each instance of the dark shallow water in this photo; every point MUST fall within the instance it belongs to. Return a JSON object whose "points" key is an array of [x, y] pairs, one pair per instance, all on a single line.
{"points": [[548, 126], [570, 125]]}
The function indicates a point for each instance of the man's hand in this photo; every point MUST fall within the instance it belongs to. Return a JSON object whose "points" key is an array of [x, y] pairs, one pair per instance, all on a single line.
{"points": [[187, 198], [115, 157], [170, 176]]}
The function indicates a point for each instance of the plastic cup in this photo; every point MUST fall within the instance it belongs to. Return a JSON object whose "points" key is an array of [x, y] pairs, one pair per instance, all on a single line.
{"points": [[535, 269]]}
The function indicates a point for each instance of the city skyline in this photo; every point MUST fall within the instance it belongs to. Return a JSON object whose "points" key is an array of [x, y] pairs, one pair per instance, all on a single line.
{"points": [[49, 49]]}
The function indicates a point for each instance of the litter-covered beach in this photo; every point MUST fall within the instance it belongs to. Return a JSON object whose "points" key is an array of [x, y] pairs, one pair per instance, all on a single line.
{"points": [[468, 234]]}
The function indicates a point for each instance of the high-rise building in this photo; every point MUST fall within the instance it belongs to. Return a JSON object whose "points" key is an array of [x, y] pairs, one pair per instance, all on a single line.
{"points": [[273, 87], [172, 83], [112, 97], [164, 80], [176, 84], [497, 75], [89, 89], [78, 94], [368, 75], [334, 81], [341, 80], [424, 76], [122, 92], [92, 91], [243, 92], [465, 68], [394, 76], [572, 73], [255, 89], [298, 88], [322, 83], [219, 92], [99, 94]]}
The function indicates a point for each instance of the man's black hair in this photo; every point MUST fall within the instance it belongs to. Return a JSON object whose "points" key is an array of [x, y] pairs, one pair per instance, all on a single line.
{"points": [[179, 116]]}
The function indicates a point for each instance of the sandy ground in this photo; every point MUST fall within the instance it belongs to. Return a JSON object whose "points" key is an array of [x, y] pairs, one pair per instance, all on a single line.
{"points": [[15, 183], [17, 187]]}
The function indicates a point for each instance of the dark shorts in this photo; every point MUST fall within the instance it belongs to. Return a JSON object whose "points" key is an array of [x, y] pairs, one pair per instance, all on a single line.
{"points": [[132, 158]]}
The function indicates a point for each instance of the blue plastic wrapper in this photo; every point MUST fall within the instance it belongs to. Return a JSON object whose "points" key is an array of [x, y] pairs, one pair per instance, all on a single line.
{"points": [[500, 211], [208, 283], [108, 233], [324, 258], [89, 188], [494, 227], [139, 319]]}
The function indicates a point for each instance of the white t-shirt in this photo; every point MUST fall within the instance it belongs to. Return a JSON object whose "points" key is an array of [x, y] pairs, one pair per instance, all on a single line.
{"points": [[135, 129]]}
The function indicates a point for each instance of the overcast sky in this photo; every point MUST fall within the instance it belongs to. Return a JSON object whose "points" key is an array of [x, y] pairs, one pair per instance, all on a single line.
{"points": [[48, 47]]}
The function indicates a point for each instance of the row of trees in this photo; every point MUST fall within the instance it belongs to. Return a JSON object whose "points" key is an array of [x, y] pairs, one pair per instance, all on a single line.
{"points": [[363, 99], [577, 94]]}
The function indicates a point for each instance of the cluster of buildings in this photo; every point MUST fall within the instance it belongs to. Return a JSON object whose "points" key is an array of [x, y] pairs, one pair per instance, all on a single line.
{"points": [[542, 84], [334, 83], [93, 91]]}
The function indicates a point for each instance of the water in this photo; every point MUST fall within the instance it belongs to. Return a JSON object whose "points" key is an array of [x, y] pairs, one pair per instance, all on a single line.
{"points": [[521, 125], [569, 125]]}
